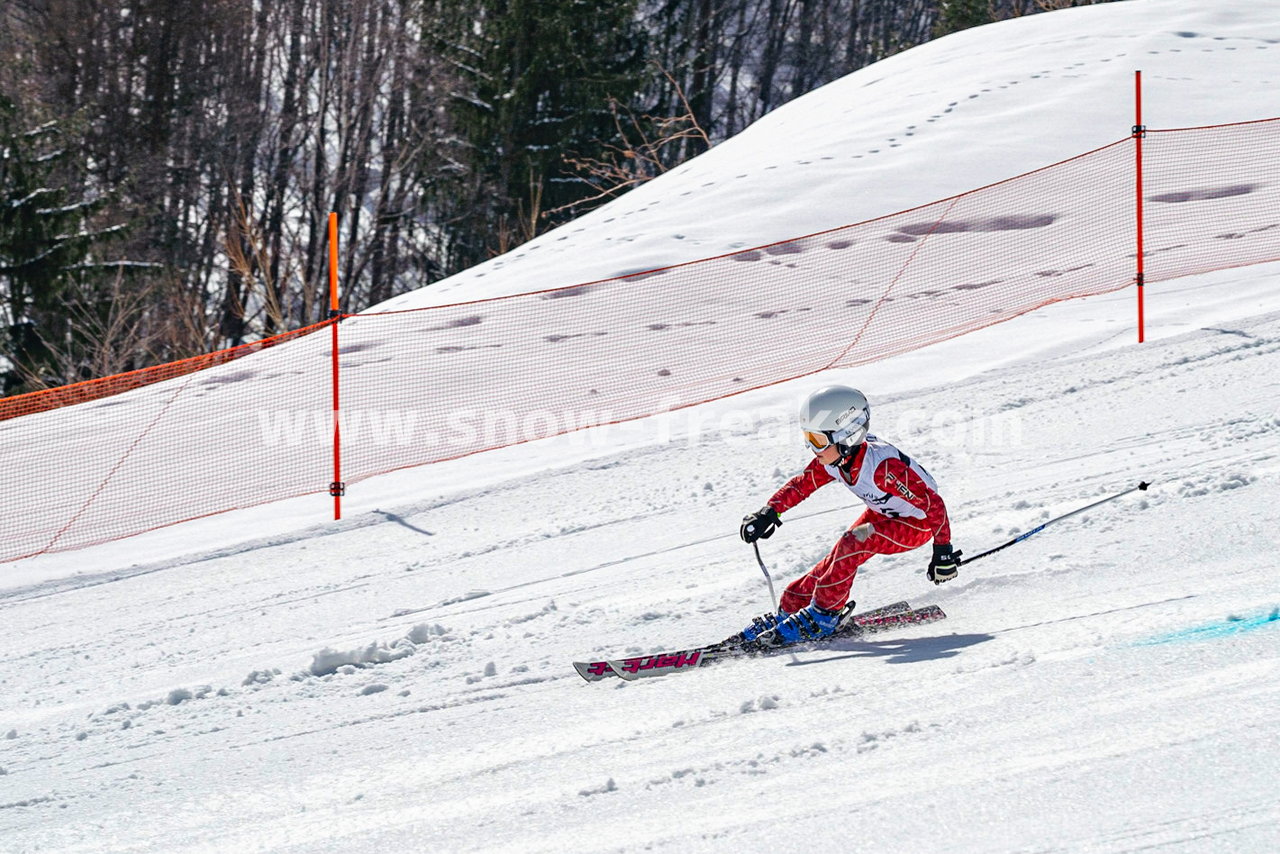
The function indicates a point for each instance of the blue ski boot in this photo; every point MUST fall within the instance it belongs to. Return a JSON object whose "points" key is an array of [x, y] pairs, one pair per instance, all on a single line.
{"points": [[808, 624], [759, 625]]}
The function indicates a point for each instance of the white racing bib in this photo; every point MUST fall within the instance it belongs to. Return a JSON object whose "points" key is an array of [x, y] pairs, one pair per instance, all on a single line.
{"points": [[894, 503]]}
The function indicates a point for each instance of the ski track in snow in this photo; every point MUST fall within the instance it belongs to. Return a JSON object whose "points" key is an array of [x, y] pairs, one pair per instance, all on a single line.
{"points": [[402, 680]]}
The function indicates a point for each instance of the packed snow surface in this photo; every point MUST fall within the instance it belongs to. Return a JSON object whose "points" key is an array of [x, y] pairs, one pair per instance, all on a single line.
{"points": [[402, 680]]}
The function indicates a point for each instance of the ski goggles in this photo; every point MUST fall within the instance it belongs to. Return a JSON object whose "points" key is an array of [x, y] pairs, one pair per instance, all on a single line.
{"points": [[817, 440]]}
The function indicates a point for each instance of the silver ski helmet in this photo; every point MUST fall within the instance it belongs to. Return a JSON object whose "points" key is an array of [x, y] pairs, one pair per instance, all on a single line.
{"points": [[835, 415]]}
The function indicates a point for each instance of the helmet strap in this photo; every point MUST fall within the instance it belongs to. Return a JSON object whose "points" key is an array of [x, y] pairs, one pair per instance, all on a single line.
{"points": [[847, 458]]}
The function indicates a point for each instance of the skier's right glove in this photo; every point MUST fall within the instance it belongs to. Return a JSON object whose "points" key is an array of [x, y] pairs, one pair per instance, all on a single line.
{"points": [[945, 564], [760, 524]]}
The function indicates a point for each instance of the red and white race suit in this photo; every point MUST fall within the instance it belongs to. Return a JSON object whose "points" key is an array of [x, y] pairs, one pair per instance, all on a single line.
{"points": [[904, 510]]}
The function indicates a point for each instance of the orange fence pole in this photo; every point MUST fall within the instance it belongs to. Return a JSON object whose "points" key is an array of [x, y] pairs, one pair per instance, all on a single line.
{"points": [[1139, 131], [337, 488]]}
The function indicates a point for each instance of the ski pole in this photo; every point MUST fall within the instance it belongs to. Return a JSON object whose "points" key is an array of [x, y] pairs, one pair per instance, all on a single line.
{"points": [[1142, 485], [767, 576], [774, 596]]}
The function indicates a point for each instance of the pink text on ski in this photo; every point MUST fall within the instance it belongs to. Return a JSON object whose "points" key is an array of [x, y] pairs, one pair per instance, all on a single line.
{"points": [[675, 661]]}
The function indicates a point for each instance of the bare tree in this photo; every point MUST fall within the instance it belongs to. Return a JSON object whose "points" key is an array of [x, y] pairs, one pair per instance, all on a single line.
{"points": [[640, 150]]}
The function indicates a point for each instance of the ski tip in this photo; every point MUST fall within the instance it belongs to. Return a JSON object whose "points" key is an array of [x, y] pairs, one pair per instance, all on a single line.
{"points": [[619, 668]]}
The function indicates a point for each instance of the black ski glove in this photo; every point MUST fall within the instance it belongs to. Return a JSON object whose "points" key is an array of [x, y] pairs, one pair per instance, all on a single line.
{"points": [[945, 564], [759, 525]]}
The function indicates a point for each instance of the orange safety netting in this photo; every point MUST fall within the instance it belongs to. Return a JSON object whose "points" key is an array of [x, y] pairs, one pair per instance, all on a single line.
{"points": [[426, 385], [83, 392]]}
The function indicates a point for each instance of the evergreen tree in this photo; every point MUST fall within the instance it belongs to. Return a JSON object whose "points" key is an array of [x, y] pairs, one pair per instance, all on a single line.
{"points": [[956, 15], [540, 74], [46, 278]]}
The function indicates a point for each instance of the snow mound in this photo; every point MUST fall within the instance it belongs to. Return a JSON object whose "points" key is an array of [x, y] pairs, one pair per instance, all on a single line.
{"points": [[328, 661]]}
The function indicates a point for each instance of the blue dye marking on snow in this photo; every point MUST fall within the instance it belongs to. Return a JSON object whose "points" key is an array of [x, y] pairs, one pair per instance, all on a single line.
{"points": [[1232, 625]]}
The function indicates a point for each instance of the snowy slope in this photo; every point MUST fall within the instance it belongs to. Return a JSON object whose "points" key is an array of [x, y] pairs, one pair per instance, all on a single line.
{"points": [[400, 681], [1088, 692]]}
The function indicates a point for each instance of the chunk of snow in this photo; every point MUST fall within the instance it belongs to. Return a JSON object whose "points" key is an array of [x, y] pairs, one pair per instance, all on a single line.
{"points": [[423, 632], [178, 695], [609, 786], [328, 661]]}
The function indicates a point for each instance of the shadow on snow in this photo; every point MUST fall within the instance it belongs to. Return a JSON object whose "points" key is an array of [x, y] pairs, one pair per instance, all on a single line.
{"points": [[902, 651]]}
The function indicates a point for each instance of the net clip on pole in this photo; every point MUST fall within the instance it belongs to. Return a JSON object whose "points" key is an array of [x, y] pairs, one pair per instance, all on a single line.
{"points": [[1140, 131], [338, 488]]}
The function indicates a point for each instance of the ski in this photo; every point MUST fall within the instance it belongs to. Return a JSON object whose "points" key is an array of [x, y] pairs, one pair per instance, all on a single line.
{"points": [[661, 664], [664, 664], [594, 671]]}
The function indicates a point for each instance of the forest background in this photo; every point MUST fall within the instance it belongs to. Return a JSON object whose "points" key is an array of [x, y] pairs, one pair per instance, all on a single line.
{"points": [[166, 168]]}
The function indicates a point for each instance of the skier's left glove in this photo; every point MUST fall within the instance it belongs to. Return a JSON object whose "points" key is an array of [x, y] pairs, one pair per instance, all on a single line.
{"points": [[759, 525], [945, 564]]}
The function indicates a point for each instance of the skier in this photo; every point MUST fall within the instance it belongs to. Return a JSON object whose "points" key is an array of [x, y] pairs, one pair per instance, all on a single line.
{"points": [[904, 511]]}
